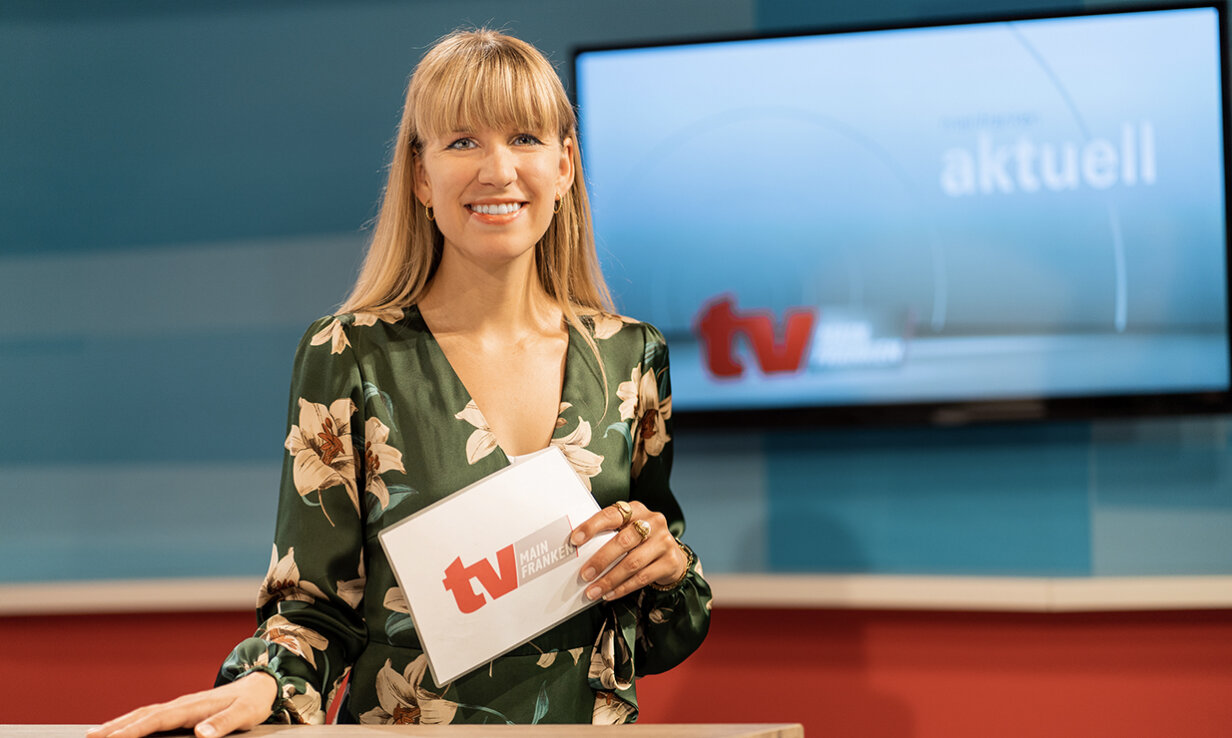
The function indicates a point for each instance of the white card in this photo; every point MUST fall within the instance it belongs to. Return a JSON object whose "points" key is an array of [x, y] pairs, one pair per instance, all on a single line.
{"points": [[490, 567]]}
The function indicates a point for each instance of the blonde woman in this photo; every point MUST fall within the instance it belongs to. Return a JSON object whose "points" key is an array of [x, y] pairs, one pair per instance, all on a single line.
{"points": [[479, 330]]}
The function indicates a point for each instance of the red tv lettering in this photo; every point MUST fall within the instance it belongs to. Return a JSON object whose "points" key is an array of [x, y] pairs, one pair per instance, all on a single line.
{"points": [[458, 579], [718, 324]]}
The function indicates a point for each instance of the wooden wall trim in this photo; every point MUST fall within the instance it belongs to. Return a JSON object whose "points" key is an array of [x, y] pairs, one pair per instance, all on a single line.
{"points": [[855, 591]]}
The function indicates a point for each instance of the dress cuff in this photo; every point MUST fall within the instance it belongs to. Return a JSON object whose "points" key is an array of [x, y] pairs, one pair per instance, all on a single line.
{"points": [[296, 701], [278, 711]]}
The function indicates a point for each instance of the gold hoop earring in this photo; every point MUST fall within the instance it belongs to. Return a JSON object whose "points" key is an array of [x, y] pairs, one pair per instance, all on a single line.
{"points": [[430, 214], [556, 208]]}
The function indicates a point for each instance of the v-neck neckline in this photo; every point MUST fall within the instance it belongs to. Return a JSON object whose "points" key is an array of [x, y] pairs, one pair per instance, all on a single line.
{"points": [[564, 398]]}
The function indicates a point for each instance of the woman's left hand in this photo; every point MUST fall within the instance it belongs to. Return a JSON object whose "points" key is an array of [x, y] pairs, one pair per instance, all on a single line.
{"points": [[653, 557]]}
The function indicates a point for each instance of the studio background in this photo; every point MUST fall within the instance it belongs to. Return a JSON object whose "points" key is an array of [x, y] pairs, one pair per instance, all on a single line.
{"points": [[184, 187]]}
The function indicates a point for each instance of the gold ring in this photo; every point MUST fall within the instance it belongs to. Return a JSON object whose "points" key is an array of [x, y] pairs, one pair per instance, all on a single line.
{"points": [[642, 528], [625, 510]]}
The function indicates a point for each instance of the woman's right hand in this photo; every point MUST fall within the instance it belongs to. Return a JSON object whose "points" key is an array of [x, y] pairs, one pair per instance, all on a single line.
{"points": [[215, 712]]}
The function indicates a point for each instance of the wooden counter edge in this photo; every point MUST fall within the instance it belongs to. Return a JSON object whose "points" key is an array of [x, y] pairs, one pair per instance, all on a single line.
{"points": [[861, 591], [641, 730]]}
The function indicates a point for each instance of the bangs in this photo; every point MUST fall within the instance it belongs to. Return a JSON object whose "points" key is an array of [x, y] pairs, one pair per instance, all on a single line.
{"points": [[492, 87]]}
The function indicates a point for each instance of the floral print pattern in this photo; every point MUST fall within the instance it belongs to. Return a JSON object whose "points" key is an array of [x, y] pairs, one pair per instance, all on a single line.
{"points": [[297, 639], [610, 661], [334, 332], [321, 445], [649, 415], [352, 590], [283, 584], [547, 658], [610, 709], [379, 458], [607, 325], [627, 393], [304, 706], [404, 701], [585, 462], [482, 441], [395, 600]]}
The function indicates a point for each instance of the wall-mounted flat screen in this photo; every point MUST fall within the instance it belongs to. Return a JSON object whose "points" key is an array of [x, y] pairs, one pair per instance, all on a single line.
{"points": [[976, 220]]}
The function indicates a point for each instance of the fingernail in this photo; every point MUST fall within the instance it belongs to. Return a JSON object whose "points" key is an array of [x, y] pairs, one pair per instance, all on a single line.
{"points": [[593, 593], [207, 731], [577, 538], [589, 574]]}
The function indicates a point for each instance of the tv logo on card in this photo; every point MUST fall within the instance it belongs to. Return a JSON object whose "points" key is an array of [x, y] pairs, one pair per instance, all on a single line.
{"points": [[516, 564]]}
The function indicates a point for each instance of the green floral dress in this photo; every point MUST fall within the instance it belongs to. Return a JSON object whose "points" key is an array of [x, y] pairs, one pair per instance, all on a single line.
{"points": [[380, 427]]}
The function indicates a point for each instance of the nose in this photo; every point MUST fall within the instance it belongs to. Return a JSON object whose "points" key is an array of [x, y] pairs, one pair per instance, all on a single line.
{"points": [[498, 166]]}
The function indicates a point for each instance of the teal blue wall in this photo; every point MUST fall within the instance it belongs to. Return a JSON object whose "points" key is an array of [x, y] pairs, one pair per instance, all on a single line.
{"points": [[182, 189]]}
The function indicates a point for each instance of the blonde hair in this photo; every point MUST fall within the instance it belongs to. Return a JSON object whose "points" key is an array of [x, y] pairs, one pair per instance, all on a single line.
{"points": [[470, 80]]}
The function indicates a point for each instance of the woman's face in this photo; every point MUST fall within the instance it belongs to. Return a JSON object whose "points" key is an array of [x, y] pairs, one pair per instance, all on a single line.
{"points": [[493, 191]]}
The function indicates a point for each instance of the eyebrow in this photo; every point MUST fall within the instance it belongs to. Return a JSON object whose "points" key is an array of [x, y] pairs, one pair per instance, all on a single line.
{"points": [[537, 131]]}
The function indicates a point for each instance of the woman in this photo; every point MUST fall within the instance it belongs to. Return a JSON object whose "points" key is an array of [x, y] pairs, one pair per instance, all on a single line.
{"points": [[479, 330]]}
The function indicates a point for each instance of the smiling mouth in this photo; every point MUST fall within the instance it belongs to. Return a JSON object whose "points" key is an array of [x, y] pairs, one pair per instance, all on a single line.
{"points": [[504, 208]]}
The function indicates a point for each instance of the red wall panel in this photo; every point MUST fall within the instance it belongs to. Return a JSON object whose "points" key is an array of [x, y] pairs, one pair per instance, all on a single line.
{"points": [[840, 672], [954, 675]]}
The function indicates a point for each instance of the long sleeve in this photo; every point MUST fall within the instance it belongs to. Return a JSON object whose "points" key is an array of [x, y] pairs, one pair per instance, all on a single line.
{"points": [[311, 626], [672, 624]]}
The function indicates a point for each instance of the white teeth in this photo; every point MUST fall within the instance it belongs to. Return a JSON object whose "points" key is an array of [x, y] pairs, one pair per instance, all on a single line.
{"points": [[502, 209]]}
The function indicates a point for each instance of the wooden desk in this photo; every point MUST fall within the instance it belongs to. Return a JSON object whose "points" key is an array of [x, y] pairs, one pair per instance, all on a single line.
{"points": [[781, 730]]}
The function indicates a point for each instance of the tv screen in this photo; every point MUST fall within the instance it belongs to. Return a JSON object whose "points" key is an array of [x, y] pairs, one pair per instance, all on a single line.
{"points": [[984, 220]]}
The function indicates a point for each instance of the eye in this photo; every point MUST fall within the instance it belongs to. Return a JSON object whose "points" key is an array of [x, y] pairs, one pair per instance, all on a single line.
{"points": [[526, 139], [462, 144]]}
